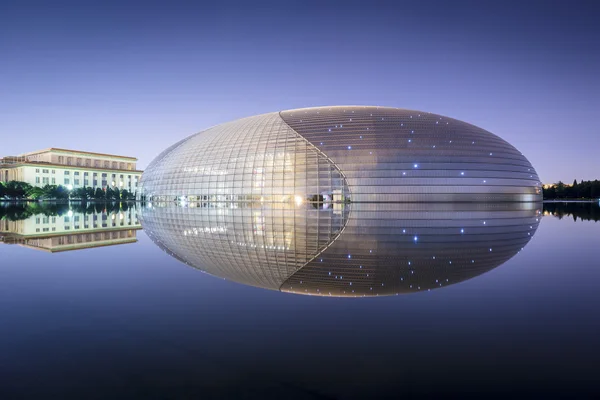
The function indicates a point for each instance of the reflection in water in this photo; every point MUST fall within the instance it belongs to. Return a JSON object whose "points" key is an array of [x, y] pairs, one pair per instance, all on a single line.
{"points": [[351, 250], [62, 227], [585, 211]]}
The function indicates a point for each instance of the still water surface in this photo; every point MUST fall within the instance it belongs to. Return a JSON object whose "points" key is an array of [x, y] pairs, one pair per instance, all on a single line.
{"points": [[448, 298]]}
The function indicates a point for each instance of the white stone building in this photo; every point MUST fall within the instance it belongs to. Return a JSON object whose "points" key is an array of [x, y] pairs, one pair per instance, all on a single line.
{"points": [[72, 169]]}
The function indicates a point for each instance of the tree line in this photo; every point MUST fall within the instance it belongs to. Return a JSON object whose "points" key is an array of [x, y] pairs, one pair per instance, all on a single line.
{"points": [[16, 190], [579, 190]]}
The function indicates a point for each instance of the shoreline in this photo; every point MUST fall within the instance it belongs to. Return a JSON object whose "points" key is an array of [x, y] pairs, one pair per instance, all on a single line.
{"points": [[571, 201]]}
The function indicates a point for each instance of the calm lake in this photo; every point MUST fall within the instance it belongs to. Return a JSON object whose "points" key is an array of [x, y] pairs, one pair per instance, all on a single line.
{"points": [[243, 300]]}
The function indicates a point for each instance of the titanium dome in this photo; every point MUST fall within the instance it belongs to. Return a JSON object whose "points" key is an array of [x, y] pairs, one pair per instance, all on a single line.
{"points": [[356, 153]]}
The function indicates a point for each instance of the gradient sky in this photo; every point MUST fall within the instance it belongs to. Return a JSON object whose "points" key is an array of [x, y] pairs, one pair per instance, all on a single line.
{"points": [[132, 77]]}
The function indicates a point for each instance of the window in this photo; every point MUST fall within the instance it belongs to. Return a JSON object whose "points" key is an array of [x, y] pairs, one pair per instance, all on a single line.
{"points": [[76, 173], [37, 179], [53, 171], [67, 173], [44, 171], [104, 175], [37, 170], [54, 181], [76, 182], [67, 181], [85, 173]]}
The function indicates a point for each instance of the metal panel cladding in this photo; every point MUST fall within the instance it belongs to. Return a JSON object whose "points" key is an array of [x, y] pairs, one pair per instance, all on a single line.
{"points": [[341, 153]]}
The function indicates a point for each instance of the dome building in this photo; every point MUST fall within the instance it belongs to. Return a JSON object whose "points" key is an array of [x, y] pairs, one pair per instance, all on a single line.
{"points": [[343, 153]]}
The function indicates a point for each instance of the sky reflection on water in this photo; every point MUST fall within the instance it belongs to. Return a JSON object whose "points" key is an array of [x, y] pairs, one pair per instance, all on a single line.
{"points": [[131, 321]]}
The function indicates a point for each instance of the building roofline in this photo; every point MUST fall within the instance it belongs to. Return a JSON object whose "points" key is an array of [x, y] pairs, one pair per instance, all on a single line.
{"points": [[76, 151], [47, 164]]}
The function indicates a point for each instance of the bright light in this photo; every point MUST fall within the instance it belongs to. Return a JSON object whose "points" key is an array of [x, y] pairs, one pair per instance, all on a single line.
{"points": [[298, 200], [70, 187], [70, 213]]}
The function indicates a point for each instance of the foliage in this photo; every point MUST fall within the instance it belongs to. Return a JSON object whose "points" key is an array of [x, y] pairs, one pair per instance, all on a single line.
{"points": [[581, 190], [15, 190]]}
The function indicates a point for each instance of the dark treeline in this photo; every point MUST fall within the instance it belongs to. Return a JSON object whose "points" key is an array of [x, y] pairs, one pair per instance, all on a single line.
{"points": [[15, 190], [581, 190], [19, 211], [583, 211]]}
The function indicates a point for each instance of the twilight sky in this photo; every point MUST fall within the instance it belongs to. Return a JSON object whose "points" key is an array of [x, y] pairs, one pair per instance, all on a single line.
{"points": [[131, 77]]}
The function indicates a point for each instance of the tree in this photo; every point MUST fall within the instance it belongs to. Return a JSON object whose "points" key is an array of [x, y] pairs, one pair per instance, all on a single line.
{"points": [[16, 190], [36, 193], [99, 194], [595, 189], [560, 189], [109, 193], [79, 193]]}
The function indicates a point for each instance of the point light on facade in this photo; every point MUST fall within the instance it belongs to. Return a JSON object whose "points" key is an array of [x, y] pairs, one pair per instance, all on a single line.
{"points": [[304, 153]]}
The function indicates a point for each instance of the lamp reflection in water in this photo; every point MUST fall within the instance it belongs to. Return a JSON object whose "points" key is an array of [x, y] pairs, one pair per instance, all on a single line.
{"points": [[352, 250]]}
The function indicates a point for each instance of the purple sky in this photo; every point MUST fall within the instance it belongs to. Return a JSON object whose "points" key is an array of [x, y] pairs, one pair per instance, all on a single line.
{"points": [[134, 77]]}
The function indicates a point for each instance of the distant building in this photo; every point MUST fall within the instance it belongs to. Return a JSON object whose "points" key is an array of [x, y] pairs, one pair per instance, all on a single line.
{"points": [[72, 169]]}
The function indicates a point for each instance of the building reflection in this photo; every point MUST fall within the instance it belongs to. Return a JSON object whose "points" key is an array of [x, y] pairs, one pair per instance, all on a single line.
{"points": [[58, 228], [352, 250]]}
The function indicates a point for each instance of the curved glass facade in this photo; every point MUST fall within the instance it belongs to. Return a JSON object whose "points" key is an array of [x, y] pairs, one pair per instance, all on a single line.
{"points": [[342, 250], [362, 154], [252, 159]]}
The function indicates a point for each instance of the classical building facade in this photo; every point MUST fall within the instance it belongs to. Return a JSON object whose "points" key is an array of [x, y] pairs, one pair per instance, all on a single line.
{"points": [[341, 153], [72, 169]]}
